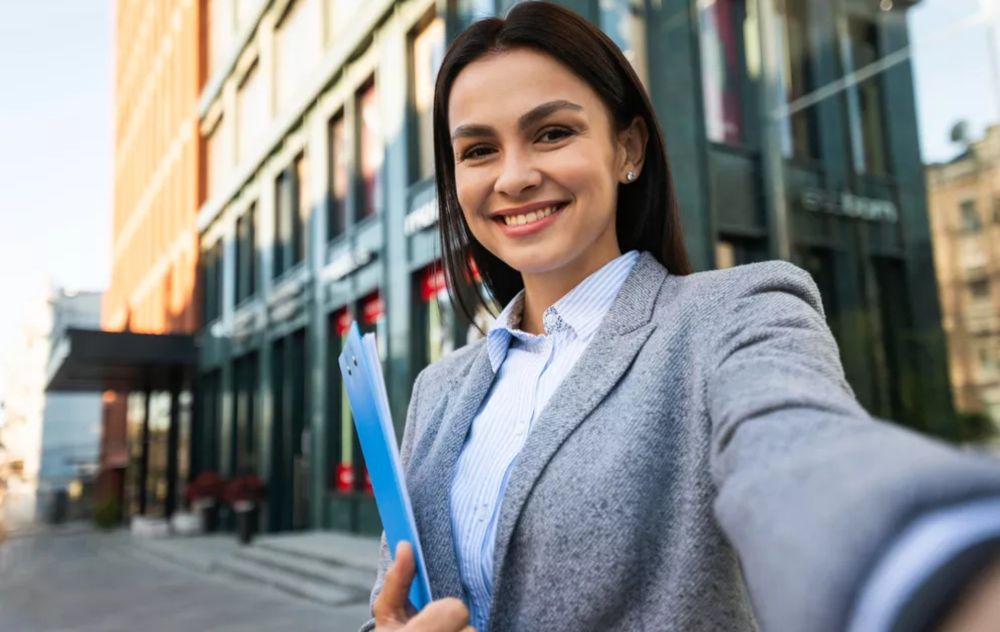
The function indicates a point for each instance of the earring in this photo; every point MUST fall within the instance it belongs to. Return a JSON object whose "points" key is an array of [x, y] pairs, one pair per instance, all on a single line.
{"points": [[630, 176]]}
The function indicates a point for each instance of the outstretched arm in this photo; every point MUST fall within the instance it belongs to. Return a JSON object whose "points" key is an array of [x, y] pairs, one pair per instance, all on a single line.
{"points": [[811, 490]]}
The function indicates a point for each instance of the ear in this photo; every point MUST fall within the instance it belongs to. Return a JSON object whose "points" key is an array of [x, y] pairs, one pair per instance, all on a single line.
{"points": [[632, 148]]}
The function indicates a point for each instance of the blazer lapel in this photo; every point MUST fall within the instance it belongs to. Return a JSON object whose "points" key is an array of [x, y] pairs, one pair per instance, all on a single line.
{"points": [[624, 330], [433, 471]]}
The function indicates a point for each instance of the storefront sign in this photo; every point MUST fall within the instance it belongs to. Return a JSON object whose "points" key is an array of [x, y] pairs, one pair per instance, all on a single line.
{"points": [[423, 216], [347, 263], [849, 205], [246, 323]]}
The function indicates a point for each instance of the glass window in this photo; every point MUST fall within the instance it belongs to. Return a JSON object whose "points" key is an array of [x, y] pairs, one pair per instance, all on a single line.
{"points": [[371, 150], [341, 425], [297, 47], [251, 112], [428, 51], [969, 217], [212, 282], [722, 23], [216, 160], [979, 289], [624, 21], [736, 251], [339, 176], [246, 255], [438, 317], [282, 221], [870, 155], [796, 77], [290, 213], [300, 204]]}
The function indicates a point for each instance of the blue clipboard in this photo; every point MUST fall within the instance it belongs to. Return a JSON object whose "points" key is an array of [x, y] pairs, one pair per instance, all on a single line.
{"points": [[362, 373]]}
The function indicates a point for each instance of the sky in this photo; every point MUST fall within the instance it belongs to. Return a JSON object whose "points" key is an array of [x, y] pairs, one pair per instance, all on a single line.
{"points": [[56, 109], [55, 148]]}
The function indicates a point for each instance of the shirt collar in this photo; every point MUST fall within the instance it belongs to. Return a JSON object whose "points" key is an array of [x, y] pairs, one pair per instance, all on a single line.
{"points": [[582, 309]]}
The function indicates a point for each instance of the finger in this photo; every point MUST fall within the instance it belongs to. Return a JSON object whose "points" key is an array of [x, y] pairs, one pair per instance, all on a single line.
{"points": [[390, 605], [443, 615]]}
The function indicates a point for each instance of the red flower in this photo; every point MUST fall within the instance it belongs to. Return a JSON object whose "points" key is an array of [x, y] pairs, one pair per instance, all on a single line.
{"points": [[244, 488], [207, 484]]}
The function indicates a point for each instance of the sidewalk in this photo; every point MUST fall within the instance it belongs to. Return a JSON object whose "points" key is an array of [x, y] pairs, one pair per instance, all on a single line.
{"points": [[87, 581]]}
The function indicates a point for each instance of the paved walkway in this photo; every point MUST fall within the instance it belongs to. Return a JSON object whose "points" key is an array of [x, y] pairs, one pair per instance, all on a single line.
{"points": [[75, 579]]}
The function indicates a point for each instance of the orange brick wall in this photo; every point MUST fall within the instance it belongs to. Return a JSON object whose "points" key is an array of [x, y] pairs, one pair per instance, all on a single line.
{"points": [[158, 76]]}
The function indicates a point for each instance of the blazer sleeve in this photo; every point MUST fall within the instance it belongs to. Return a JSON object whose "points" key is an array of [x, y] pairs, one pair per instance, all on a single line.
{"points": [[810, 488], [405, 452]]}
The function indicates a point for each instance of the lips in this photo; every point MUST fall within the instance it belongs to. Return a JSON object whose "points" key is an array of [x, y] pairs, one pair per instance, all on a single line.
{"points": [[522, 223]]}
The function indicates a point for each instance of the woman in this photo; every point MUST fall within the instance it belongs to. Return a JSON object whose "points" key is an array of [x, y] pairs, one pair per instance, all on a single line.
{"points": [[632, 447]]}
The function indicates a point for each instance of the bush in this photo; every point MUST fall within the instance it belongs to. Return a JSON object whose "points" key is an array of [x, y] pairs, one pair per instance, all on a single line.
{"points": [[107, 513]]}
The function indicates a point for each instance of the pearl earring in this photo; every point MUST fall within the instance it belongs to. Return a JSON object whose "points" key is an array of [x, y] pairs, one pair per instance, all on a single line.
{"points": [[630, 176]]}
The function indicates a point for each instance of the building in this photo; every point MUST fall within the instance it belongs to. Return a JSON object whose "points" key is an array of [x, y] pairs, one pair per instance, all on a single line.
{"points": [[142, 358], [964, 205], [285, 145], [49, 439], [71, 423], [319, 209], [23, 391]]}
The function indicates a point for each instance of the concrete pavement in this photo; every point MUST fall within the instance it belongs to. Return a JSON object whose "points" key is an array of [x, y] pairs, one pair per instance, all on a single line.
{"points": [[78, 580]]}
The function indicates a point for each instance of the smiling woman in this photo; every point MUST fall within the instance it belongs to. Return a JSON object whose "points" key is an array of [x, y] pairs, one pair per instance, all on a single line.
{"points": [[566, 139], [633, 446]]}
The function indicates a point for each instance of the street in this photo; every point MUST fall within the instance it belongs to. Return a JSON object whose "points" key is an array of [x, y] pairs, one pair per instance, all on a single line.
{"points": [[101, 582]]}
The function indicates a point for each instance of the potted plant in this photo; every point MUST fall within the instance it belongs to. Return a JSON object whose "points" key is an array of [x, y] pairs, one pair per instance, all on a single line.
{"points": [[203, 494], [244, 494]]}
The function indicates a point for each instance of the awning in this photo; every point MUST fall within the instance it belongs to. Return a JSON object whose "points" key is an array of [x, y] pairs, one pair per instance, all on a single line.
{"points": [[96, 360]]}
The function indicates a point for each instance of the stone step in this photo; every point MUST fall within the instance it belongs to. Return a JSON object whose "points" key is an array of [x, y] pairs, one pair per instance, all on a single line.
{"points": [[290, 582], [310, 568], [341, 549]]}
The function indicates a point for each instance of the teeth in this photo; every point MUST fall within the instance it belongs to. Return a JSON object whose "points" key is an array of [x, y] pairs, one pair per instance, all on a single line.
{"points": [[527, 218]]}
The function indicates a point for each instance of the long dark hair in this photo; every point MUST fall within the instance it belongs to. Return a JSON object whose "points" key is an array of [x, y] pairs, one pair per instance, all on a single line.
{"points": [[647, 214]]}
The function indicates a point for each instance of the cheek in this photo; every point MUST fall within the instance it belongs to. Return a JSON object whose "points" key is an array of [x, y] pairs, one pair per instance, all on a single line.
{"points": [[473, 194]]}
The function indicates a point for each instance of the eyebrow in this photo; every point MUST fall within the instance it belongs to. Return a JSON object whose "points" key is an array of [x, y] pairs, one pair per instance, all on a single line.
{"points": [[526, 120]]}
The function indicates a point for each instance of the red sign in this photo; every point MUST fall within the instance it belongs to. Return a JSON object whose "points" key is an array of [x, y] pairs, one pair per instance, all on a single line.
{"points": [[345, 478], [433, 282], [341, 322], [372, 308]]}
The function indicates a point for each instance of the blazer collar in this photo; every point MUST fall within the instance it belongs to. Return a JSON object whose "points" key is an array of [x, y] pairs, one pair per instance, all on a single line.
{"points": [[624, 330]]}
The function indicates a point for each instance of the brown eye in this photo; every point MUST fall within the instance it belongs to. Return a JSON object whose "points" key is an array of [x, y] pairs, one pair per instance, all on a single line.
{"points": [[554, 134], [476, 151]]}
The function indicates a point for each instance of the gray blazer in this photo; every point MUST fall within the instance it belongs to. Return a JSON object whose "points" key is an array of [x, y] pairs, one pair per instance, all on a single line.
{"points": [[705, 466]]}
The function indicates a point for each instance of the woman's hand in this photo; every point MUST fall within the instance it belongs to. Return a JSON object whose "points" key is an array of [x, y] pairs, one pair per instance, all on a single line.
{"points": [[392, 608]]}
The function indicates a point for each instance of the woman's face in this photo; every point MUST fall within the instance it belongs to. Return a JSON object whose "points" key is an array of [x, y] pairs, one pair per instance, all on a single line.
{"points": [[538, 163]]}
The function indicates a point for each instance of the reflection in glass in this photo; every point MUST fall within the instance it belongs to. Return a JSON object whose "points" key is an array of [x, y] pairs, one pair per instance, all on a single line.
{"points": [[372, 149], [428, 51], [870, 150], [624, 21], [337, 146], [722, 23], [798, 131]]}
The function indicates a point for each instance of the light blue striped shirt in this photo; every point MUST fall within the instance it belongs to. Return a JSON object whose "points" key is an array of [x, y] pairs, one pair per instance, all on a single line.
{"points": [[527, 370]]}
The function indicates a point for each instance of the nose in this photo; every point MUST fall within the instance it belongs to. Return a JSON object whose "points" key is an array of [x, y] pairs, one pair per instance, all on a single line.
{"points": [[517, 175]]}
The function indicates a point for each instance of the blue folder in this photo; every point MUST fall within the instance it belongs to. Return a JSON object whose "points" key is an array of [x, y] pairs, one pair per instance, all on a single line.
{"points": [[362, 373]]}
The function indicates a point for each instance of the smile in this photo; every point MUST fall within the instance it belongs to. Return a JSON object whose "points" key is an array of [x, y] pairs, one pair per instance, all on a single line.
{"points": [[529, 218]]}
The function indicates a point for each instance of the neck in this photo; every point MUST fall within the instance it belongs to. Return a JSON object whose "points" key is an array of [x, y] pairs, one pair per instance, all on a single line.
{"points": [[542, 290]]}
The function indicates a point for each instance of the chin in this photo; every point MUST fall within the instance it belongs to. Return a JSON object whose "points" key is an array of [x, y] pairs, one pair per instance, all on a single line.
{"points": [[539, 262]]}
